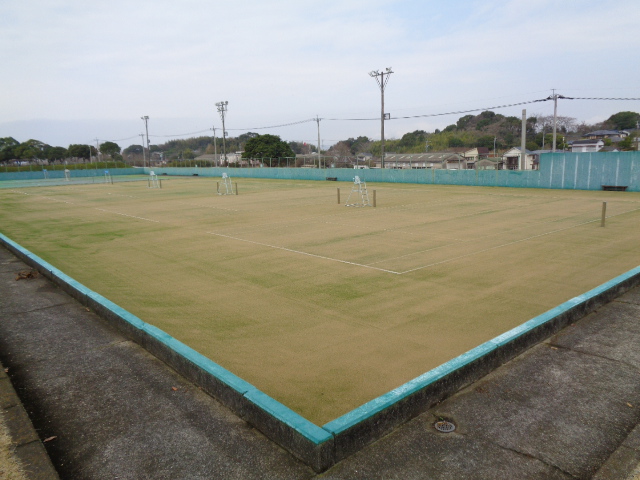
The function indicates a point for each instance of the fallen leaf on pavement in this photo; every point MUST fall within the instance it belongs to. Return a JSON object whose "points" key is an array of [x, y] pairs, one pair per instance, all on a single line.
{"points": [[49, 439]]}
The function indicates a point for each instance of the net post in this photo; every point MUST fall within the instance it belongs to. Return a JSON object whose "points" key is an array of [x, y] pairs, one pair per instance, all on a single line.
{"points": [[338, 195], [604, 213], [160, 181], [218, 187], [374, 199], [148, 183], [236, 188]]}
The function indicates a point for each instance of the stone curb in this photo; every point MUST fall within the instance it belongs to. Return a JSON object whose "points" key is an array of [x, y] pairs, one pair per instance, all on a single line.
{"points": [[27, 445]]}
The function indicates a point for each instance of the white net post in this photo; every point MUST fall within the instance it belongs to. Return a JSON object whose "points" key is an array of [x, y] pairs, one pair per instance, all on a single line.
{"points": [[153, 180], [360, 194], [226, 188]]}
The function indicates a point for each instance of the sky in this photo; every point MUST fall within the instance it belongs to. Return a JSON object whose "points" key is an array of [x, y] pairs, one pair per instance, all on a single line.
{"points": [[77, 71]]}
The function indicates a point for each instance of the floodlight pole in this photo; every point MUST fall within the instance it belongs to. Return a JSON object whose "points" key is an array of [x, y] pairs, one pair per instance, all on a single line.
{"points": [[382, 83], [222, 108], [146, 126]]}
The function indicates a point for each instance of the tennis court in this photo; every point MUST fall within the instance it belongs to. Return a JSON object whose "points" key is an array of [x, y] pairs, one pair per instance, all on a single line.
{"points": [[321, 306]]}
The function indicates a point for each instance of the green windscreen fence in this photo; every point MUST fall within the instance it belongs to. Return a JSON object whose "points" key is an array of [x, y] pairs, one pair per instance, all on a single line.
{"points": [[581, 171]]}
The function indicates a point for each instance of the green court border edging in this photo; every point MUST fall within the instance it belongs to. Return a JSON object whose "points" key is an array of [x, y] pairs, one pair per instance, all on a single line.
{"points": [[304, 439], [322, 447]]}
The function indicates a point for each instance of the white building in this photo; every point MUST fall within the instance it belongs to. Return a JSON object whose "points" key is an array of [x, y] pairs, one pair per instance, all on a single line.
{"points": [[582, 146]]}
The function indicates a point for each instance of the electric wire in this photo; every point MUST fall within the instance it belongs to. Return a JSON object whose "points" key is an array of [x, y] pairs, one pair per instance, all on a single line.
{"points": [[550, 98]]}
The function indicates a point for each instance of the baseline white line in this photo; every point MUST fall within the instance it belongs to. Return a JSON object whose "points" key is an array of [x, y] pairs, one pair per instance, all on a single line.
{"points": [[302, 253], [512, 243]]}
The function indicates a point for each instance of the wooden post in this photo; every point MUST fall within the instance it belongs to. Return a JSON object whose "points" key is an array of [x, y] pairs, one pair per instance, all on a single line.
{"points": [[374, 198], [160, 182], [236, 188], [338, 196], [148, 183], [604, 213], [218, 187]]}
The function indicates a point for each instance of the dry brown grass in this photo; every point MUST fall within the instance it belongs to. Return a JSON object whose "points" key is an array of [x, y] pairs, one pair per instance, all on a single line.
{"points": [[325, 307]]}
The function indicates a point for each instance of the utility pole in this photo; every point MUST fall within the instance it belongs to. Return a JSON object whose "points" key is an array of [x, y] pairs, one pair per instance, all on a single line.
{"points": [[555, 117], [142, 141], [222, 108], [97, 150], [382, 83], [523, 140], [318, 122], [146, 126], [215, 147]]}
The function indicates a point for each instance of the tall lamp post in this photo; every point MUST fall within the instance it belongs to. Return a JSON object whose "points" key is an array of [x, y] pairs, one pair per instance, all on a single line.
{"points": [[222, 108], [382, 78]]}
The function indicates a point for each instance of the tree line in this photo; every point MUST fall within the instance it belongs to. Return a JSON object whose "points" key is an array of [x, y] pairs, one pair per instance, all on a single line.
{"points": [[487, 129]]}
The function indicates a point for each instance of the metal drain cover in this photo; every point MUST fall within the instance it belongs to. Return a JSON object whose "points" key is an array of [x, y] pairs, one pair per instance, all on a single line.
{"points": [[444, 426]]}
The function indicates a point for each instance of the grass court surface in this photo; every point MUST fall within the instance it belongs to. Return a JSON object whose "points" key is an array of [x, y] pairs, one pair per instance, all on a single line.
{"points": [[321, 306]]}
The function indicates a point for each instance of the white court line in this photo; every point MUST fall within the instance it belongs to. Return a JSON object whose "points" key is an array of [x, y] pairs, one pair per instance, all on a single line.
{"points": [[127, 215], [302, 253], [99, 209], [512, 243]]}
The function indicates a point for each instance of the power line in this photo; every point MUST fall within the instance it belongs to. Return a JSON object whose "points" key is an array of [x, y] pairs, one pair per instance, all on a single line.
{"points": [[473, 110], [595, 98], [181, 134], [550, 98], [277, 126], [122, 139]]}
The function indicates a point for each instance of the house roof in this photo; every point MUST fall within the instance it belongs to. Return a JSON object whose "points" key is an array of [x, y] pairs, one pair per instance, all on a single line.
{"points": [[421, 157], [516, 149], [480, 150], [604, 132], [595, 141]]}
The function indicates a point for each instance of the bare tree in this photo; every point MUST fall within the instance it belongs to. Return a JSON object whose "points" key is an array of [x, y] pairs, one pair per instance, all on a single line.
{"points": [[564, 124]]}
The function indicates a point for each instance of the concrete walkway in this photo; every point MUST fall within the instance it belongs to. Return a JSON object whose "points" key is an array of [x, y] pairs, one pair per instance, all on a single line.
{"points": [[566, 409]]}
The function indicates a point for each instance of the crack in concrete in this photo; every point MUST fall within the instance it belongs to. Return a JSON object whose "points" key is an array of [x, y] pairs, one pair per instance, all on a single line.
{"points": [[36, 309], [592, 354]]}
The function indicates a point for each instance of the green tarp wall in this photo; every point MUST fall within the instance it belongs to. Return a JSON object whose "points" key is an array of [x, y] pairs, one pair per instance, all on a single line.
{"points": [[582, 171]]}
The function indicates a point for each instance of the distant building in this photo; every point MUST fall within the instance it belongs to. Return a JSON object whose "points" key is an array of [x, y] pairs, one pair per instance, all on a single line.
{"points": [[433, 160], [580, 146], [511, 159], [475, 154], [614, 135]]}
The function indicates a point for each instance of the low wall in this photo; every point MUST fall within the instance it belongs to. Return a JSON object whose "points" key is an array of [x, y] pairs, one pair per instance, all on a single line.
{"points": [[321, 447]]}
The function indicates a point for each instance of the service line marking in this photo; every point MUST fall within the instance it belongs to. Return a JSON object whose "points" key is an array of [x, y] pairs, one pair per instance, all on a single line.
{"points": [[127, 215], [512, 243], [303, 253]]}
